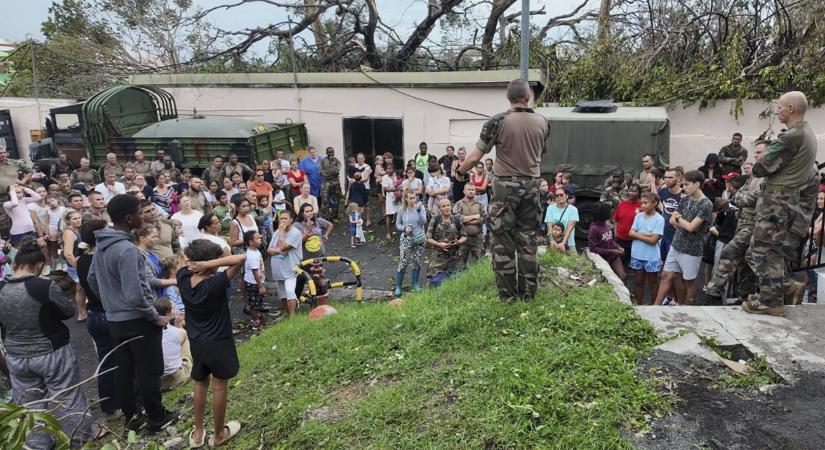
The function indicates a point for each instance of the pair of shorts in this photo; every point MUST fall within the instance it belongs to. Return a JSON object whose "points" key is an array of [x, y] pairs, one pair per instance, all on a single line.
{"points": [[217, 358], [254, 298], [286, 288], [353, 229], [687, 265], [648, 266], [16, 239]]}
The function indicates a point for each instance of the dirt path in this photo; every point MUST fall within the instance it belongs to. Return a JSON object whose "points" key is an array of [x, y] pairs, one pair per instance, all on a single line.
{"points": [[709, 416]]}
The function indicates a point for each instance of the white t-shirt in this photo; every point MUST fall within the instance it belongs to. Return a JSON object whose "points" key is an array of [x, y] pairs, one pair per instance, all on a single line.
{"points": [[54, 217], [435, 184], [279, 197], [254, 261], [42, 213], [107, 194], [190, 223], [170, 340]]}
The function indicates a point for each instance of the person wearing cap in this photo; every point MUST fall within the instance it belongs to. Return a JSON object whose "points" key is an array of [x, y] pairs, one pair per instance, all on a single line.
{"points": [[615, 191], [730, 188], [732, 257], [331, 187]]}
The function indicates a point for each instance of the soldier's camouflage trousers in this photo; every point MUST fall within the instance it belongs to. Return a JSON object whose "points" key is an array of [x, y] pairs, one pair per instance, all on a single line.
{"points": [[441, 261], [330, 199], [472, 247], [514, 215], [733, 255], [780, 226]]}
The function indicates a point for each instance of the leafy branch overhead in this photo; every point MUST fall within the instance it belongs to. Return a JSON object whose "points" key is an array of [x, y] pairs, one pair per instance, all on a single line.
{"points": [[647, 52]]}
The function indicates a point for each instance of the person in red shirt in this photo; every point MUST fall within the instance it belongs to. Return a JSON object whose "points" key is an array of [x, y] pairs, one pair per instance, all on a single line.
{"points": [[623, 219], [296, 177]]}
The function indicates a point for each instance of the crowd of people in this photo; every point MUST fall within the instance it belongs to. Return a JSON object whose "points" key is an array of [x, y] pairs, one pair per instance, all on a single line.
{"points": [[155, 252], [193, 240], [674, 228]]}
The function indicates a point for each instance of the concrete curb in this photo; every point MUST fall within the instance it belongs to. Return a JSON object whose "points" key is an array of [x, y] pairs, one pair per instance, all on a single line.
{"points": [[618, 286]]}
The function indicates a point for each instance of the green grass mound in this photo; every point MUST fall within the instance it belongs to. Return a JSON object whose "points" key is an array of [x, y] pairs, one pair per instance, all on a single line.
{"points": [[451, 368]]}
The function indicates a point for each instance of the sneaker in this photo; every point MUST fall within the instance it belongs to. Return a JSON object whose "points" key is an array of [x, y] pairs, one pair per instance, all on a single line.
{"points": [[754, 306], [169, 417], [667, 301], [135, 423]]}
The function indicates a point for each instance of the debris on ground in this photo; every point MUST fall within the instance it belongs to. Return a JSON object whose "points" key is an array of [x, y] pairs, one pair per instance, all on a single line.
{"points": [[566, 279]]}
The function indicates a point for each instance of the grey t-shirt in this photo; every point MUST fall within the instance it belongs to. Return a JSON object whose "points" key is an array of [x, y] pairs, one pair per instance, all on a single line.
{"points": [[314, 244], [283, 266], [690, 243]]}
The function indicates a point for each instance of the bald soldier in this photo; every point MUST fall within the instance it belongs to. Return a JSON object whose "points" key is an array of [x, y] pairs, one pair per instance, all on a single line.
{"points": [[519, 136], [784, 210]]}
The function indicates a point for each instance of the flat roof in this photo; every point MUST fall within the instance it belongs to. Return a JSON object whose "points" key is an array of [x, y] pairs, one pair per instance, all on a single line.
{"points": [[622, 113], [337, 79]]}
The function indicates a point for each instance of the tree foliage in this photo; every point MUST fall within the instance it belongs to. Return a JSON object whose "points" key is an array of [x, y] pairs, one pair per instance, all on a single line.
{"points": [[646, 52]]}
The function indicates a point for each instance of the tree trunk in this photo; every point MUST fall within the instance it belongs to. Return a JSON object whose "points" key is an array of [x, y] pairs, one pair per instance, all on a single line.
{"points": [[604, 22], [318, 30]]}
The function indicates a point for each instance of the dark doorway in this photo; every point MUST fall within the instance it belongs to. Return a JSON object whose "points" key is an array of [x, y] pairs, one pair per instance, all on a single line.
{"points": [[372, 137]]}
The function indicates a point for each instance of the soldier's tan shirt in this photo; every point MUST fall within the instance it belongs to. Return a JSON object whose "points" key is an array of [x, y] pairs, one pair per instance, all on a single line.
{"points": [[519, 143]]}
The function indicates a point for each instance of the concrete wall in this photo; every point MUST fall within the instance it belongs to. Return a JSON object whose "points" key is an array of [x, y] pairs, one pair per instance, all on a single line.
{"points": [[25, 117], [324, 108], [438, 116], [695, 132]]}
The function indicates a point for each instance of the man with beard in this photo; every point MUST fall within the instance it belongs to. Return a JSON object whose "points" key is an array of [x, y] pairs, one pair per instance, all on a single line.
{"points": [[733, 155]]}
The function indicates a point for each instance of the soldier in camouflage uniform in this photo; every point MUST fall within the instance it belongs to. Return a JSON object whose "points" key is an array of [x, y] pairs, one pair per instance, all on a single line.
{"points": [[9, 170], [733, 155], [514, 211], [733, 254], [331, 187], [445, 235], [473, 216], [785, 207]]}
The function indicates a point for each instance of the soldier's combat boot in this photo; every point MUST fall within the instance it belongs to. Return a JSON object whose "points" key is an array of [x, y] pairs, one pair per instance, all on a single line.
{"points": [[416, 280], [754, 306], [793, 296]]}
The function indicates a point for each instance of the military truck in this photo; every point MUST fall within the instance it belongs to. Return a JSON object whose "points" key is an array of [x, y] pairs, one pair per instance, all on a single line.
{"points": [[124, 119], [594, 139]]}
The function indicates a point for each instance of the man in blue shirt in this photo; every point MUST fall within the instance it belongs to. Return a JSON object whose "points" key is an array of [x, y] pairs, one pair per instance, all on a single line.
{"points": [[312, 166]]}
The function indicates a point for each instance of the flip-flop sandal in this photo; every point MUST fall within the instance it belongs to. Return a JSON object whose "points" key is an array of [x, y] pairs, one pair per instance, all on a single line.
{"points": [[233, 426], [192, 443]]}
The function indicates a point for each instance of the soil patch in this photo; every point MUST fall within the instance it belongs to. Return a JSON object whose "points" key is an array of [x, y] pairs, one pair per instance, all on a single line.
{"points": [[706, 415]]}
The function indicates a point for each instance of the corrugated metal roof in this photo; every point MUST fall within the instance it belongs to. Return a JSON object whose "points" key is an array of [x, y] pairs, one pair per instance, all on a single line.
{"points": [[398, 79], [622, 114]]}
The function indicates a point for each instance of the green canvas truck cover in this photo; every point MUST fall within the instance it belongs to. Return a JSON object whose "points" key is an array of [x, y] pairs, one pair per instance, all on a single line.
{"points": [[592, 145]]}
